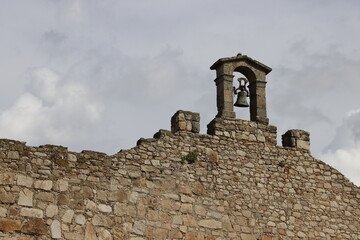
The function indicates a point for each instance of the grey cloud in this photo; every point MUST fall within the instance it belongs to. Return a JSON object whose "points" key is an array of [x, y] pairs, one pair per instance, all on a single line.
{"points": [[53, 38], [316, 95], [344, 151]]}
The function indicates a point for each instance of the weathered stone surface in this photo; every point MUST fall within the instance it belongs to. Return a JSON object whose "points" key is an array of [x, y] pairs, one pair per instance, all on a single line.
{"points": [[6, 197], [252, 189], [68, 216], [51, 210], [104, 234], [90, 205], [61, 185], [13, 155], [3, 212], [90, 233], [7, 178], [199, 189], [118, 232], [45, 185], [120, 209], [104, 208], [118, 196], [80, 219], [23, 180], [210, 223], [55, 229], [35, 226], [296, 138], [9, 225], [246, 236], [73, 235], [31, 212], [72, 157], [102, 220], [303, 144], [46, 196], [139, 227], [26, 197]]}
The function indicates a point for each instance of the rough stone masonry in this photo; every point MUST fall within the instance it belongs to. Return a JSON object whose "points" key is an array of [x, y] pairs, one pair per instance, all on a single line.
{"points": [[232, 183]]}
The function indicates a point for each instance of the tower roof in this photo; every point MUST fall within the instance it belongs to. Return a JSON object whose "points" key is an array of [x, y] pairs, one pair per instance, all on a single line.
{"points": [[240, 58]]}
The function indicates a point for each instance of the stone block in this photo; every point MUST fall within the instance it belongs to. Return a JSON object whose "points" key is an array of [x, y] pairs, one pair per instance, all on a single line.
{"points": [[26, 198], [210, 223], [104, 208], [102, 220], [120, 209], [55, 229], [35, 226], [9, 225], [44, 185], [48, 197], [80, 219], [68, 216], [23, 180], [3, 212], [6, 197], [61, 185], [13, 155], [103, 234], [185, 121], [139, 227], [72, 157], [296, 138], [90, 233], [31, 212], [51, 211], [7, 178]]}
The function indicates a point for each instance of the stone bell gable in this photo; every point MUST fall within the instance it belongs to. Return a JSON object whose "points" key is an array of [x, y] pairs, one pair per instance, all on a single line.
{"points": [[255, 72], [233, 183]]}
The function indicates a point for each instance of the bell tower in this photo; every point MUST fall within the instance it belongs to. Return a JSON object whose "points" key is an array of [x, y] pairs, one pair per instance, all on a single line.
{"points": [[255, 72]]}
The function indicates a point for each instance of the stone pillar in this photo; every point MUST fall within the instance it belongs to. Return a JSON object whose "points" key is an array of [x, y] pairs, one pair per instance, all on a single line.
{"points": [[224, 88], [258, 102], [296, 138], [185, 121]]}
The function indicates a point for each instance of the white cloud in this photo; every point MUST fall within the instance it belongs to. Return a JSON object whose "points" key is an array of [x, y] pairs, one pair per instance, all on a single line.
{"points": [[50, 111], [346, 160], [343, 152]]}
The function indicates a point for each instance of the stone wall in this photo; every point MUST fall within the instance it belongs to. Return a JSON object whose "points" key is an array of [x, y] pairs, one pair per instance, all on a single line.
{"points": [[232, 183]]}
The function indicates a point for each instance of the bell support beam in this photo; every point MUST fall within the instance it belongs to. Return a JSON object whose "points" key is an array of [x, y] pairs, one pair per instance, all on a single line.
{"points": [[224, 86]]}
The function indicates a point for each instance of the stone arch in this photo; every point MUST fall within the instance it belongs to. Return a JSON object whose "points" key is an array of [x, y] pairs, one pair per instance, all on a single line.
{"points": [[255, 72], [247, 72]]}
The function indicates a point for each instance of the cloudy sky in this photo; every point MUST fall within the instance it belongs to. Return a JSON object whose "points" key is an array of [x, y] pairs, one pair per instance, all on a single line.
{"points": [[99, 75]]}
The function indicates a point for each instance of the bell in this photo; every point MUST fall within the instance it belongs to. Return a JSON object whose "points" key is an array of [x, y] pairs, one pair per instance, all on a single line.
{"points": [[241, 100]]}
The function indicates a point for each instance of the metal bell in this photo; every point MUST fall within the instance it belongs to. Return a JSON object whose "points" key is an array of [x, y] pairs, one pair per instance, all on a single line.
{"points": [[241, 99]]}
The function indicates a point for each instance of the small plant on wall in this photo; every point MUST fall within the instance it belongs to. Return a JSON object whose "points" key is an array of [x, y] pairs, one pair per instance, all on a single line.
{"points": [[190, 158]]}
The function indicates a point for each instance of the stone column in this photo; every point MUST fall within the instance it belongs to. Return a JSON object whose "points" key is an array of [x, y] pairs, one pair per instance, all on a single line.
{"points": [[225, 100], [258, 102]]}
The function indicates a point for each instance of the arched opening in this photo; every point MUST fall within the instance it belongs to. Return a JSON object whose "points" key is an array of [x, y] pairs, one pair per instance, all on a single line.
{"points": [[241, 112], [243, 71]]}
